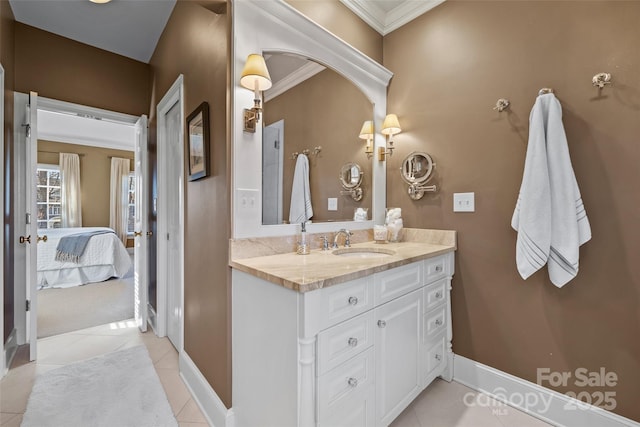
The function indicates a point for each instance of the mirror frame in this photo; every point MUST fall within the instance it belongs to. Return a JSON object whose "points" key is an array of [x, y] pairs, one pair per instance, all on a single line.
{"points": [[268, 26]]}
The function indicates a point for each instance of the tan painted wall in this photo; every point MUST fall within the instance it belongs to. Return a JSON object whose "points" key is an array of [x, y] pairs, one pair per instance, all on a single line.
{"points": [[339, 20], [63, 69], [7, 59], [95, 176], [196, 43], [328, 111], [451, 65]]}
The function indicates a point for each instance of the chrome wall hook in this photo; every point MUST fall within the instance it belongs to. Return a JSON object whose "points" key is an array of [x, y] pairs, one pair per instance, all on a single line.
{"points": [[502, 104], [601, 79]]}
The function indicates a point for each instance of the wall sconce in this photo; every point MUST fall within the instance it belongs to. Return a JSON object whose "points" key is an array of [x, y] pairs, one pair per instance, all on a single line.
{"points": [[367, 133], [255, 77], [390, 127]]}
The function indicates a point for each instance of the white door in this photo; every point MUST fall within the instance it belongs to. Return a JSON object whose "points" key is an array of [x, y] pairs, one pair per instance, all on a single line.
{"points": [[272, 167], [172, 192], [30, 237], [397, 355], [142, 234], [170, 261]]}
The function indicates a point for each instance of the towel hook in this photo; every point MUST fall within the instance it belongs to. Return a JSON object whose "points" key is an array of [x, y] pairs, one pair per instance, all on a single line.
{"points": [[502, 104], [545, 90], [601, 79]]}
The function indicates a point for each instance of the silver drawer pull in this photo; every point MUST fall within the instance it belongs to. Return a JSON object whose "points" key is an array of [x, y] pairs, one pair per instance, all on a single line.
{"points": [[353, 382], [352, 300], [353, 342], [438, 268], [438, 322], [438, 357], [382, 324], [438, 294]]}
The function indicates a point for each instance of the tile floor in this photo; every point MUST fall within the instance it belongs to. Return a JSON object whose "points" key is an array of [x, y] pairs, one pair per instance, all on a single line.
{"points": [[60, 350], [442, 404]]}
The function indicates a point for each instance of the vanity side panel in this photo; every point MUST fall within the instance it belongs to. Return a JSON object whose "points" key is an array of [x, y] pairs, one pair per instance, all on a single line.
{"points": [[265, 352]]}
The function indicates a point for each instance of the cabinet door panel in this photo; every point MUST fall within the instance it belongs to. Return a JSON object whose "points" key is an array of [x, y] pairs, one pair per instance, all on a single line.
{"points": [[396, 282], [397, 346]]}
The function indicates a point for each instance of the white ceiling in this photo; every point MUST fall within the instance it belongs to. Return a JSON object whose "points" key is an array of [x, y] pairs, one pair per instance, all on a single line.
{"points": [[130, 28]]}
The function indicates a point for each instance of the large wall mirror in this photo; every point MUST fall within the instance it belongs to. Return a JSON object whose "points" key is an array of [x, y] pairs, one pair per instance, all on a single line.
{"points": [[311, 109], [327, 109]]}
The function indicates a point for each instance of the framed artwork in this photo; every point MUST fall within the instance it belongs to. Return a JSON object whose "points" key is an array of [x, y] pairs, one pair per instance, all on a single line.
{"points": [[198, 142]]}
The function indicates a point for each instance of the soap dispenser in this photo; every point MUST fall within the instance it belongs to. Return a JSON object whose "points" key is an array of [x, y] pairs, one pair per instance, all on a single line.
{"points": [[303, 245]]}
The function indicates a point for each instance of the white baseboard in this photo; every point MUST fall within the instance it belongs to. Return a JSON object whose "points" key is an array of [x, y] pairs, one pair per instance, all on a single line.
{"points": [[214, 410], [540, 402]]}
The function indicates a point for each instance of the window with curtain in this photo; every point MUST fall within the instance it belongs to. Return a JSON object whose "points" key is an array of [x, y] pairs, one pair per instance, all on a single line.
{"points": [[48, 197], [71, 212], [119, 203]]}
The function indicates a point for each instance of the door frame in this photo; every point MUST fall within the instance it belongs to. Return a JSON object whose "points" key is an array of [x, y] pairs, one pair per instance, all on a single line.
{"points": [[3, 355], [21, 99], [174, 95]]}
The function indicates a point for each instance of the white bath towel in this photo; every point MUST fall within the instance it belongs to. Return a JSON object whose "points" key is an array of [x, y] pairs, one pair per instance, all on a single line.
{"points": [[549, 215], [300, 210]]}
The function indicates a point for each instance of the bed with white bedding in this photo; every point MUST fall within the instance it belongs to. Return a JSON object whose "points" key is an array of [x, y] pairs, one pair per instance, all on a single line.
{"points": [[104, 257]]}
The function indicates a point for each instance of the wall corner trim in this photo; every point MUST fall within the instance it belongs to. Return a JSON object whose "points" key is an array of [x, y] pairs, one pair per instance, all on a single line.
{"points": [[492, 381], [210, 404]]}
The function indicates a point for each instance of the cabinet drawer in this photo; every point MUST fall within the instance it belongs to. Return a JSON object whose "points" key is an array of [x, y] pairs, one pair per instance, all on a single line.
{"points": [[434, 322], [357, 411], [435, 294], [344, 301], [435, 268], [346, 381], [435, 355], [396, 282], [343, 341]]}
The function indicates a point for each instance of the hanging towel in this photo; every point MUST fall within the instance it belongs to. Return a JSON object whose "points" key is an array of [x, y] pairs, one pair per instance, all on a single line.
{"points": [[549, 216], [301, 210]]}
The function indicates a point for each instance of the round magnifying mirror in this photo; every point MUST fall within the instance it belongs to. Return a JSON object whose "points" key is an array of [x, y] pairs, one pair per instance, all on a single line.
{"points": [[417, 168], [351, 175]]}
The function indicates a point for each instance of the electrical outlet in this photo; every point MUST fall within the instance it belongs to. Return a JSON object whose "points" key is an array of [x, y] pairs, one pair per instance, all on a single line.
{"points": [[332, 204], [464, 202]]}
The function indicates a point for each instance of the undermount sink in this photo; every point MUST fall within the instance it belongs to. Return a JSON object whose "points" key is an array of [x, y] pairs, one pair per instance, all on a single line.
{"points": [[363, 252]]}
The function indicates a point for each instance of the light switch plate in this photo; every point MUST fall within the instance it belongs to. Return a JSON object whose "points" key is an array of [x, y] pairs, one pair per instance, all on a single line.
{"points": [[464, 202], [332, 204]]}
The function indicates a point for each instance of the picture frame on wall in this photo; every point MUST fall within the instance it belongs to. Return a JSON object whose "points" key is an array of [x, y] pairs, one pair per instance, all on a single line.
{"points": [[198, 142]]}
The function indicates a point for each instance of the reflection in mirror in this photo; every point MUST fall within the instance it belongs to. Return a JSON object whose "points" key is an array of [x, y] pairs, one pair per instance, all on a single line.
{"points": [[351, 175], [351, 178], [310, 105]]}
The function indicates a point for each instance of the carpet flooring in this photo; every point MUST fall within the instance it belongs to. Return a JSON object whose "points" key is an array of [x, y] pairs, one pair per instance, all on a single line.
{"points": [[119, 389], [80, 307]]}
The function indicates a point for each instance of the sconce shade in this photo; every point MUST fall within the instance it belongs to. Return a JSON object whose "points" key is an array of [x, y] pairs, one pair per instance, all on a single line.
{"points": [[255, 70], [367, 130], [391, 126]]}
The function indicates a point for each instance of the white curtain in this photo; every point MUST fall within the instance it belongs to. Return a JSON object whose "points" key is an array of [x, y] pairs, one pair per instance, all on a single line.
{"points": [[119, 207], [70, 183]]}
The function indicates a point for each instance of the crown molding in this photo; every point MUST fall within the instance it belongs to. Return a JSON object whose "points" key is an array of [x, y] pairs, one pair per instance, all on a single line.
{"points": [[385, 22]]}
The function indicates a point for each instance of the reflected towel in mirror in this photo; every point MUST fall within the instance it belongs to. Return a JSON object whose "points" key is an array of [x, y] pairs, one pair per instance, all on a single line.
{"points": [[301, 210]]}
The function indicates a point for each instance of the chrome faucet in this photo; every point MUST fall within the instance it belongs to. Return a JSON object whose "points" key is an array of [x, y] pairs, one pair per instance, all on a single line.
{"points": [[347, 241]]}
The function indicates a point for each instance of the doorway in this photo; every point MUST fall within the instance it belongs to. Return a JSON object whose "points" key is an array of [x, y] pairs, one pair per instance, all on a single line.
{"points": [[41, 218], [170, 207]]}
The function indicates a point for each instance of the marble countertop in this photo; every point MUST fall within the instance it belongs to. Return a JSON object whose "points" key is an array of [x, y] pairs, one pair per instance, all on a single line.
{"points": [[320, 269]]}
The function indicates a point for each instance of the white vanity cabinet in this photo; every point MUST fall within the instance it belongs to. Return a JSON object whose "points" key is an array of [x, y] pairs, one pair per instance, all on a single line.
{"points": [[353, 354]]}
